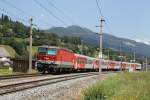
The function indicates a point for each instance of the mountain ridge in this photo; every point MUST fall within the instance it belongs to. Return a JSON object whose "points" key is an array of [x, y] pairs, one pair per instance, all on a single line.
{"points": [[109, 41]]}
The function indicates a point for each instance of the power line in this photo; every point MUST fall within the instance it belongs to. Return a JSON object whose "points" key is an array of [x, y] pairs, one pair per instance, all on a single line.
{"points": [[99, 9], [101, 14], [67, 17], [21, 11], [50, 12], [9, 13], [10, 4], [108, 27], [60, 11]]}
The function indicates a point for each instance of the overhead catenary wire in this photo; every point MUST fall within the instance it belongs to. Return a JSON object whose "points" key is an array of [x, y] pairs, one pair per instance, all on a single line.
{"points": [[60, 11], [102, 16], [99, 9], [27, 15], [13, 6], [64, 14], [11, 14], [49, 12]]}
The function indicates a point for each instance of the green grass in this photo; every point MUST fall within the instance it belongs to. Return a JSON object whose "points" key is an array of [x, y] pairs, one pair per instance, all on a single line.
{"points": [[10, 50], [128, 86], [5, 72]]}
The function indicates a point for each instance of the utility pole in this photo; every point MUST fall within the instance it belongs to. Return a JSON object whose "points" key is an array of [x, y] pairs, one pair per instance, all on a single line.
{"points": [[125, 58], [120, 49], [108, 54], [121, 55], [134, 55], [146, 63], [30, 50], [100, 44], [81, 46]]}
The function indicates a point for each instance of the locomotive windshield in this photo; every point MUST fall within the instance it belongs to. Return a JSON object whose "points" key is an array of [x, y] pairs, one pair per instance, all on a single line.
{"points": [[42, 50], [50, 51]]}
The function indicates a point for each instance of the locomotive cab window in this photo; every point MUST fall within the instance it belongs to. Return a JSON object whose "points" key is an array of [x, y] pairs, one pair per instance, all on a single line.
{"points": [[42, 50], [51, 51]]}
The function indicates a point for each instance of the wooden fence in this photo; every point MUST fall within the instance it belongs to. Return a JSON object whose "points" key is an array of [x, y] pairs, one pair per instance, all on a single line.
{"points": [[22, 65]]}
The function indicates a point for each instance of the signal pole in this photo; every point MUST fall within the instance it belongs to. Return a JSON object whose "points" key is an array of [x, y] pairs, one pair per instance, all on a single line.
{"points": [[100, 44], [30, 50]]}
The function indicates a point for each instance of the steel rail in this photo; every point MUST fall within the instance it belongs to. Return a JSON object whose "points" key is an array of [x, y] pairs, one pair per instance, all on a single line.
{"points": [[11, 88], [20, 76]]}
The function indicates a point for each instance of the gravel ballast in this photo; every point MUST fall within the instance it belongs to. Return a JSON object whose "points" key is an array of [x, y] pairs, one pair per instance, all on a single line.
{"points": [[68, 90]]}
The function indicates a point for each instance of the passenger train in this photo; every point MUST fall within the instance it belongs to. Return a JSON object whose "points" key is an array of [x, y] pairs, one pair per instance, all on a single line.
{"points": [[56, 59]]}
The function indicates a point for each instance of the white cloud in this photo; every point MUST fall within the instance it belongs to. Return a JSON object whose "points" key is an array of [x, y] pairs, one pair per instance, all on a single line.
{"points": [[129, 44], [143, 41], [138, 40], [146, 42]]}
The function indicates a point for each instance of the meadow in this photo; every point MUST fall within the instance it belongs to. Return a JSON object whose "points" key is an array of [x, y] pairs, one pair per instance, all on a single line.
{"points": [[123, 86]]}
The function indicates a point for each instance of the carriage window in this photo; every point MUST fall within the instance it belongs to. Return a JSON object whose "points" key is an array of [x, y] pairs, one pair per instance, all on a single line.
{"points": [[117, 64], [78, 60], [89, 61]]}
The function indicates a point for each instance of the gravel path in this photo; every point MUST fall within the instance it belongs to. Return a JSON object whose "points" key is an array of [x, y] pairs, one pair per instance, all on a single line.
{"points": [[68, 90]]}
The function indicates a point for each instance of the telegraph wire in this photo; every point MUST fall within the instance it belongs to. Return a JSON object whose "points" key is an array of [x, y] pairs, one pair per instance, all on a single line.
{"points": [[21, 19], [101, 15], [99, 8], [10, 4], [50, 12], [67, 17], [21, 11], [9, 13], [60, 11]]}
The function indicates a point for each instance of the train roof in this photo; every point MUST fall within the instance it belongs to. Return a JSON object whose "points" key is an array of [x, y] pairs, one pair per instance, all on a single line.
{"points": [[84, 56], [55, 47]]}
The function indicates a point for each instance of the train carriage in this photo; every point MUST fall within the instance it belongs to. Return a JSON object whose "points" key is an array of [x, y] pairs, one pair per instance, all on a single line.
{"points": [[85, 63], [123, 66], [133, 66], [111, 65], [104, 65], [96, 64], [117, 65], [79, 61], [138, 66]]}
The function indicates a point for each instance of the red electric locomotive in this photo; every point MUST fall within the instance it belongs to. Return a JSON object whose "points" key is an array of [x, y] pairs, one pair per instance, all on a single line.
{"points": [[54, 59]]}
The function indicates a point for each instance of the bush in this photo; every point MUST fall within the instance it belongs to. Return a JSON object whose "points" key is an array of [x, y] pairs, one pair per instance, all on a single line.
{"points": [[19, 47]]}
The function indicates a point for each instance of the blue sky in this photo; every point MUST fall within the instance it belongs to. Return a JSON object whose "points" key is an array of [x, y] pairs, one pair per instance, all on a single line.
{"points": [[126, 18]]}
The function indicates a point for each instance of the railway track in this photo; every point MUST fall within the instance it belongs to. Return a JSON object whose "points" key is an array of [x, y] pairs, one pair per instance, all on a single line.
{"points": [[20, 76], [10, 88], [30, 75]]}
